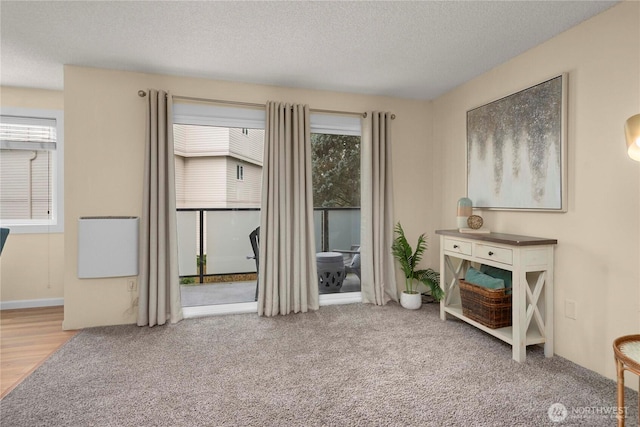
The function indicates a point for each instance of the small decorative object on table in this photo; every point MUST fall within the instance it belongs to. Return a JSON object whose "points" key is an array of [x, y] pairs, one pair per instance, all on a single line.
{"points": [[465, 207], [475, 222]]}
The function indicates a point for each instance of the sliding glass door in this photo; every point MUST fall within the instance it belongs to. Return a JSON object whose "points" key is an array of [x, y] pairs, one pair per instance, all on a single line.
{"points": [[218, 159], [218, 179], [335, 146]]}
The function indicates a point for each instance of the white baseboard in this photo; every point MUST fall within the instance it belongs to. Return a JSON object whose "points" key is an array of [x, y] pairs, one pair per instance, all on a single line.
{"points": [[31, 303]]}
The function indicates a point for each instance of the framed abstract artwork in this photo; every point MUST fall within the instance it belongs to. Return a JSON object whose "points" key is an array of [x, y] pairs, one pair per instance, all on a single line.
{"points": [[517, 150]]}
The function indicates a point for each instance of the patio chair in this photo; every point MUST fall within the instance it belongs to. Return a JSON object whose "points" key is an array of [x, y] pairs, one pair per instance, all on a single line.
{"points": [[254, 238], [354, 266], [351, 259]]}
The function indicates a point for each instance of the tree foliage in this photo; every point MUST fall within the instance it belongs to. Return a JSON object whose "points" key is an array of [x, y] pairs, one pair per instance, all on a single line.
{"points": [[336, 170]]}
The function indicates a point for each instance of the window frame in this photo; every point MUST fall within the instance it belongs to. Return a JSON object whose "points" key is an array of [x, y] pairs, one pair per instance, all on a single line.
{"points": [[55, 224], [335, 124], [255, 118], [214, 115]]}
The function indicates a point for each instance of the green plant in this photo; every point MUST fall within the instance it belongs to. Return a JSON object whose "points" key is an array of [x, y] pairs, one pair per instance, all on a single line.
{"points": [[409, 260], [201, 265], [204, 259], [187, 281]]}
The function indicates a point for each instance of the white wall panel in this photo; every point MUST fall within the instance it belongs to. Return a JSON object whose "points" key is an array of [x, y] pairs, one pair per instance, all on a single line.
{"points": [[107, 247]]}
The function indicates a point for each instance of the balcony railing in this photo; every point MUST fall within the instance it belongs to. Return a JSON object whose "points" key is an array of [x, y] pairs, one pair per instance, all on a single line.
{"points": [[215, 241]]}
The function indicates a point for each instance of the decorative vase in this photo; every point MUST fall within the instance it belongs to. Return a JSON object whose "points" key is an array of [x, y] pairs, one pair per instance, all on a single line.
{"points": [[465, 207], [411, 301]]}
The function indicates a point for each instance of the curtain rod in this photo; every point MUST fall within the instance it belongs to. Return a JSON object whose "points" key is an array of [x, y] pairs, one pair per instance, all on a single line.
{"points": [[142, 94]]}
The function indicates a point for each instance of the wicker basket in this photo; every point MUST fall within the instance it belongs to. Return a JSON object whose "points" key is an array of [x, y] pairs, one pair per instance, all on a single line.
{"points": [[491, 307]]}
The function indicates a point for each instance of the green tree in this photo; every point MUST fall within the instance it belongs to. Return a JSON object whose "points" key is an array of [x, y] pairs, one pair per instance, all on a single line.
{"points": [[336, 170]]}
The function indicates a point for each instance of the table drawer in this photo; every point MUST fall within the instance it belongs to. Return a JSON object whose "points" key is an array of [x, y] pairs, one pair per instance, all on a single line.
{"points": [[458, 246], [493, 253]]}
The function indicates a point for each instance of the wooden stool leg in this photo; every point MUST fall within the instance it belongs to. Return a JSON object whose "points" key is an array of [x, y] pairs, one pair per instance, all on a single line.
{"points": [[620, 415]]}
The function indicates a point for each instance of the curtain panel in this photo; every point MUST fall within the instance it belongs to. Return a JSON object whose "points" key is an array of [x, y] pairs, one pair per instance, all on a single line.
{"points": [[376, 233], [288, 274], [159, 288]]}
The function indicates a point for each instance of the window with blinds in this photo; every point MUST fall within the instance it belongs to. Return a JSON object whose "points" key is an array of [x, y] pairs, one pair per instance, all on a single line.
{"points": [[27, 133], [28, 170]]}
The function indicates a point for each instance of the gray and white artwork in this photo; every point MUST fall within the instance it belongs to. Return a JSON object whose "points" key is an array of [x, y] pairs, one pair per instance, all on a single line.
{"points": [[514, 150]]}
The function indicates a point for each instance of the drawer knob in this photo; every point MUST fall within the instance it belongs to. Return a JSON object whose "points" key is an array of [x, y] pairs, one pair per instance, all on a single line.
{"points": [[490, 253], [455, 246]]}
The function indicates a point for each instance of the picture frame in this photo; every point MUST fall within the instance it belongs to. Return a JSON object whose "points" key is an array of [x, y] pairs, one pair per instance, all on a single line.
{"points": [[517, 150]]}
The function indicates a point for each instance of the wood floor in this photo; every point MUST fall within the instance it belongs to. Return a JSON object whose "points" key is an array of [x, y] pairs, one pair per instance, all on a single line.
{"points": [[27, 338]]}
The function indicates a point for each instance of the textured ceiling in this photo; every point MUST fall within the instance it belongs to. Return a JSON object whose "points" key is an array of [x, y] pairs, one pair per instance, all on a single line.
{"points": [[405, 49]]}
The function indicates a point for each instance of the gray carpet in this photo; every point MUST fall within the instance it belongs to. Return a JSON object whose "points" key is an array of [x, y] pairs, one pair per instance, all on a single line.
{"points": [[350, 365]]}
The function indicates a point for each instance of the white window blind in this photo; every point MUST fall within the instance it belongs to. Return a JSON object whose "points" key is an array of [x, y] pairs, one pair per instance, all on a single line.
{"points": [[27, 133], [31, 172]]}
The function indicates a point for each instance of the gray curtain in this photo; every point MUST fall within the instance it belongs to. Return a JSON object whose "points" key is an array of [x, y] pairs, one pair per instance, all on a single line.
{"points": [[159, 289], [376, 233], [288, 275]]}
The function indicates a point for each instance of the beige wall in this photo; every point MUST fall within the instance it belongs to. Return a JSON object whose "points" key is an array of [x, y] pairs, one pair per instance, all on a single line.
{"points": [[597, 255], [32, 265], [104, 120]]}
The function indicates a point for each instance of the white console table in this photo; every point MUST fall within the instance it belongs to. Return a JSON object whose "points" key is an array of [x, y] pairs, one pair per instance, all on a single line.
{"points": [[530, 259]]}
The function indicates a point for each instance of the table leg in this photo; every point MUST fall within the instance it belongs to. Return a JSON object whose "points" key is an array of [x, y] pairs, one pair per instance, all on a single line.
{"points": [[519, 316], [443, 280], [620, 414], [548, 310]]}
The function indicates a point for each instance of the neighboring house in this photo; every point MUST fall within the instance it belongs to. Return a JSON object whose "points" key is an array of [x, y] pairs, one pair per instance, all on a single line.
{"points": [[218, 167]]}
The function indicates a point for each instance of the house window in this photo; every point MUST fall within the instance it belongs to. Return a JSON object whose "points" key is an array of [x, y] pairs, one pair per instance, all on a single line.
{"points": [[240, 172], [31, 170]]}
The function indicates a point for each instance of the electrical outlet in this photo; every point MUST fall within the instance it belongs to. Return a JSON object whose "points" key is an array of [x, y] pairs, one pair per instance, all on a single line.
{"points": [[132, 285], [570, 310]]}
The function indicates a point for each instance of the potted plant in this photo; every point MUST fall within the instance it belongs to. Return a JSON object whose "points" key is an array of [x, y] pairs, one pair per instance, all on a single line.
{"points": [[409, 260]]}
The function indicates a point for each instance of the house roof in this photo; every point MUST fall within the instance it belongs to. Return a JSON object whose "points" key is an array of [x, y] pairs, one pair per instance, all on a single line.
{"points": [[405, 49]]}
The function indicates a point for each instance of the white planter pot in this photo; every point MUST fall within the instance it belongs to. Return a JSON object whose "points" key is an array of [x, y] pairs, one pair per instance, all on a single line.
{"points": [[411, 301]]}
